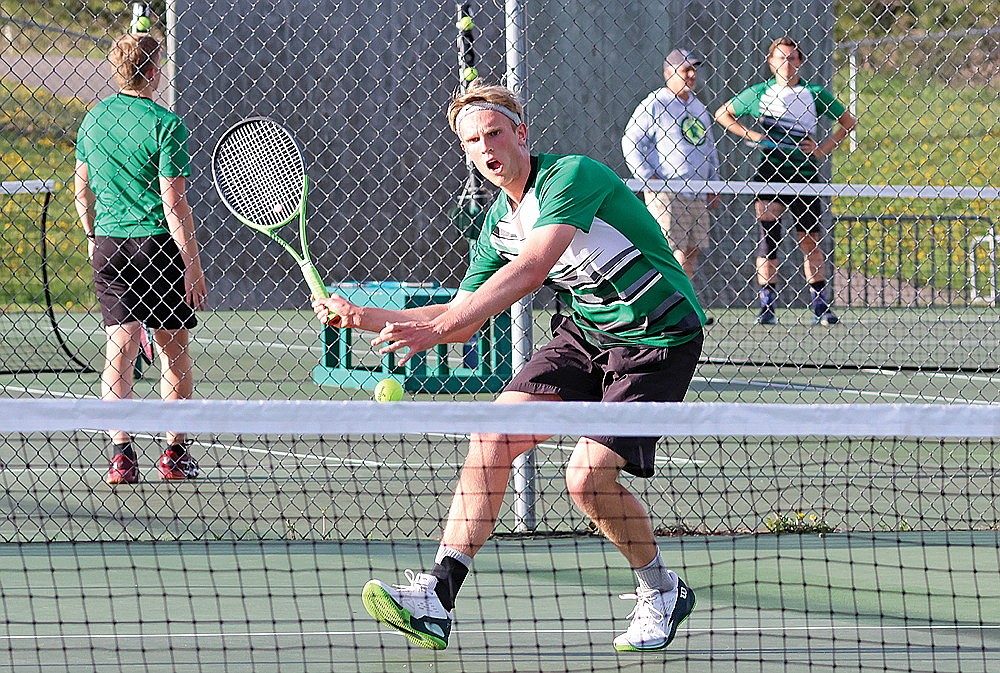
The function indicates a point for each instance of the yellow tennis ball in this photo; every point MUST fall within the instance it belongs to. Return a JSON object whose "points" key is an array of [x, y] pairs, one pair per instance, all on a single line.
{"points": [[469, 74], [142, 25], [465, 23], [388, 390]]}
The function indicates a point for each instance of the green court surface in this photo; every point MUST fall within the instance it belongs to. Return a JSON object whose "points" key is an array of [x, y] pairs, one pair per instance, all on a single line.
{"points": [[259, 563], [539, 605]]}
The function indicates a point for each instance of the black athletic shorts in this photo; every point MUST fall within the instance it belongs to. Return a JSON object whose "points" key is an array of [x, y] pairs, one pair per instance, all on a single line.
{"points": [[807, 211], [141, 279], [577, 370]]}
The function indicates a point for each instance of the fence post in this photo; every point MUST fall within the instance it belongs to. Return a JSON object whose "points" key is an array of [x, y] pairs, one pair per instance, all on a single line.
{"points": [[852, 59], [524, 466]]}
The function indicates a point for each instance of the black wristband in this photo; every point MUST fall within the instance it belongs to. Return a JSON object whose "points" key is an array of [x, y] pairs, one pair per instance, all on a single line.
{"points": [[91, 236]]}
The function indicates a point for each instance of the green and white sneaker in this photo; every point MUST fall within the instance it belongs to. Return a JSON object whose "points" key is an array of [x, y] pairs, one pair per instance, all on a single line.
{"points": [[414, 610], [655, 618]]}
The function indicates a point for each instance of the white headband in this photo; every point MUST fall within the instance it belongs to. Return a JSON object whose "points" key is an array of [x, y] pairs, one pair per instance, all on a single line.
{"points": [[469, 108]]}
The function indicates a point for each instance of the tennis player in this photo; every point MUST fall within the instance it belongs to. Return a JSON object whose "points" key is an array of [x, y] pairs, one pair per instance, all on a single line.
{"points": [[131, 169], [788, 110], [634, 333]]}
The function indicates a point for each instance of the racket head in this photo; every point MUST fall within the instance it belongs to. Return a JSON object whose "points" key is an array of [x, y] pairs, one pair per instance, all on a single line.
{"points": [[260, 173]]}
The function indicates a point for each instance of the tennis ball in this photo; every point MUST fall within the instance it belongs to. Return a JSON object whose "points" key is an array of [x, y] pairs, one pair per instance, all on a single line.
{"points": [[142, 25], [465, 23], [388, 390], [469, 74]]}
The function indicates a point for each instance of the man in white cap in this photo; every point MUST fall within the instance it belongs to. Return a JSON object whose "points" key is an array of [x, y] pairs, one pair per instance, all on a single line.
{"points": [[669, 137]]}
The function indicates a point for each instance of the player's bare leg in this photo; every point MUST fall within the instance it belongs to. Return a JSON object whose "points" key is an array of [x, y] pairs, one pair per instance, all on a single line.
{"points": [[176, 383], [421, 610], [121, 352], [663, 601], [592, 480], [814, 265], [768, 213]]}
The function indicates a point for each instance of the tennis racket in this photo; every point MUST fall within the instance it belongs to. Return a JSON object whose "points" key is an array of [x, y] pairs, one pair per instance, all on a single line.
{"points": [[768, 144], [146, 345], [786, 141], [259, 172]]}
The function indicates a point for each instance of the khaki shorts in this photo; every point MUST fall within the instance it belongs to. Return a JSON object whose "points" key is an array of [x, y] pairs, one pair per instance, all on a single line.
{"points": [[683, 219]]}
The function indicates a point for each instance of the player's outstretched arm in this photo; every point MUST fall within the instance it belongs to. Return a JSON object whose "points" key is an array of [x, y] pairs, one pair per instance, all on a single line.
{"points": [[466, 314], [338, 312]]}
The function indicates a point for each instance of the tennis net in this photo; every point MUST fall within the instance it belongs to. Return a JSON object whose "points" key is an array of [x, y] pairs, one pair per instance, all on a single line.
{"points": [[838, 537]]}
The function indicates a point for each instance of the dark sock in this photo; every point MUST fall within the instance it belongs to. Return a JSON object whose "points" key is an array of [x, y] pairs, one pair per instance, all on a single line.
{"points": [[124, 449], [768, 297], [819, 303], [451, 574]]}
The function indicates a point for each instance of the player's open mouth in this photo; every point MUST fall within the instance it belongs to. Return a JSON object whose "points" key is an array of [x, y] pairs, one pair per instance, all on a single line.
{"points": [[494, 165]]}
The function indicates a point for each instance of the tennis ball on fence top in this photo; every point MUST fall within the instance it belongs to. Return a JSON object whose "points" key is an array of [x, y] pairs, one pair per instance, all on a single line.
{"points": [[469, 74], [465, 23], [142, 25], [388, 390]]}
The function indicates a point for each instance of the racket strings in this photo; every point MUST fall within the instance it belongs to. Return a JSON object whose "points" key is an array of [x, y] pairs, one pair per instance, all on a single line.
{"points": [[260, 173]]}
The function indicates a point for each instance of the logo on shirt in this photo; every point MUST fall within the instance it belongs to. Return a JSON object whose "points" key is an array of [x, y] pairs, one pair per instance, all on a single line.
{"points": [[693, 130]]}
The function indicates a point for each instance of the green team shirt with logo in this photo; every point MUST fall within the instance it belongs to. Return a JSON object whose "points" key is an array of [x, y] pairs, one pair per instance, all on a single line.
{"points": [[618, 275], [128, 142], [787, 114]]}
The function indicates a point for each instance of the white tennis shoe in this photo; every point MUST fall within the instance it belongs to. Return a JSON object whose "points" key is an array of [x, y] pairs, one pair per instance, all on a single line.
{"points": [[655, 618], [414, 609]]}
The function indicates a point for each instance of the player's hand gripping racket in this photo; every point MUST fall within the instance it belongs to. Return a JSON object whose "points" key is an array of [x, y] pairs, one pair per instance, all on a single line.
{"points": [[260, 174]]}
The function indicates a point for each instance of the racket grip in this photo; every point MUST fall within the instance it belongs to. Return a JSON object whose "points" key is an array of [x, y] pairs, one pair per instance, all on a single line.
{"points": [[316, 284]]}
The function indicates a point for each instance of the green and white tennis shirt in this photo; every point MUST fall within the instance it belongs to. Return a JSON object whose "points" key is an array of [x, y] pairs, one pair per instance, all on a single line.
{"points": [[128, 142], [787, 114], [618, 275]]}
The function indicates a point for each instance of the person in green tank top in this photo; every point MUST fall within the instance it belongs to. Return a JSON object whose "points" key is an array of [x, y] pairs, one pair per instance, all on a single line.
{"points": [[633, 333], [131, 170], [787, 110]]}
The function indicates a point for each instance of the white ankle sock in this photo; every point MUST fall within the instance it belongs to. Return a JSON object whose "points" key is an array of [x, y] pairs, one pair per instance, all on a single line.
{"points": [[655, 575]]}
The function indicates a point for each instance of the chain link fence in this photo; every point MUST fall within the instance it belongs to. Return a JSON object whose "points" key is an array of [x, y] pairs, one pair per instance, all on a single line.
{"points": [[364, 87]]}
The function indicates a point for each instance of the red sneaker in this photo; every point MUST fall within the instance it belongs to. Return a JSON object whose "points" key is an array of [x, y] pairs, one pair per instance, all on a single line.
{"points": [[177, 463], [123, 470]]}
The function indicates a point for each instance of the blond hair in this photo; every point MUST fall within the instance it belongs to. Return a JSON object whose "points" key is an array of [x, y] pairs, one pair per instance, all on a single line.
{"points": [[785, 42], [133, 58], [478, 92]]}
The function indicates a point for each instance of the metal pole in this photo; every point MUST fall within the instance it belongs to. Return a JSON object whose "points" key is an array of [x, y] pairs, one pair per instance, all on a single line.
{"points": [[525, 494], [170, 71], [853, 87]]}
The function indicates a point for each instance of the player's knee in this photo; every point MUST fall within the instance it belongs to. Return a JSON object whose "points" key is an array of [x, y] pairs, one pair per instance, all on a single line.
{"points": [[580, 488], [585, 484]]}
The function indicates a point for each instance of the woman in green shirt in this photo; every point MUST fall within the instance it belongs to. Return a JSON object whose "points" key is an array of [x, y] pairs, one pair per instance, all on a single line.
{"points": [[131, 170]]}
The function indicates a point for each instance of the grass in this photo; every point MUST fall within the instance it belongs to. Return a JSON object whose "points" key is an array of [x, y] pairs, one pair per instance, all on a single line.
{"points": [[797, 523], [37, 134], [935, 135]]}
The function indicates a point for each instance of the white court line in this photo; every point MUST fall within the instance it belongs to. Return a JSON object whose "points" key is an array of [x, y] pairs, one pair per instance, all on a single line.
{"points": [[213, 340], [468, 631], [807, 387], [981, 378]]}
